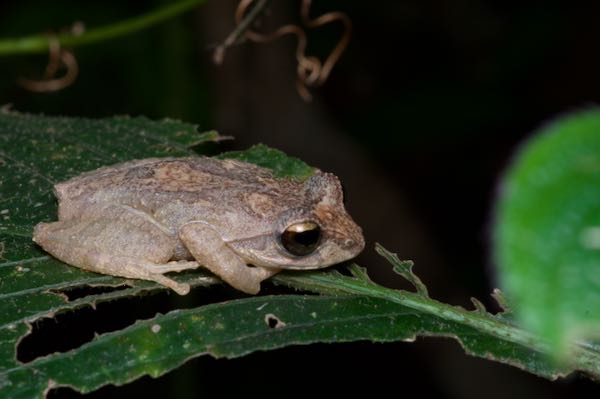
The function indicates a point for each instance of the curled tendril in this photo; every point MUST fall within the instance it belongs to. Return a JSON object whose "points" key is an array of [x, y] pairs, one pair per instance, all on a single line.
{"points": [[57, 58], [311, 72]]}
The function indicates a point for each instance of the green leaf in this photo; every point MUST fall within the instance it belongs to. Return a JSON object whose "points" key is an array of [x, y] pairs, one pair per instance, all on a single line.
{"points": [[479, 332], [36, 151], [235, 328], [547, 232], [281, 164]]}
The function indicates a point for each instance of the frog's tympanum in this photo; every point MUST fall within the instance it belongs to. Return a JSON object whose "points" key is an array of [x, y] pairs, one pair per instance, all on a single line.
{"points": [[144, 218]]}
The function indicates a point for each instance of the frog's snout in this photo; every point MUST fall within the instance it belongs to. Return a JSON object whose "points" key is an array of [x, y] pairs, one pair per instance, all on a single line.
{"points": [[355, 245], [354, 242]]}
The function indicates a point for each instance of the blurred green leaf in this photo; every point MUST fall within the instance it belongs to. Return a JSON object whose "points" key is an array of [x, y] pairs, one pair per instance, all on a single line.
{"points": [[547, 232]]}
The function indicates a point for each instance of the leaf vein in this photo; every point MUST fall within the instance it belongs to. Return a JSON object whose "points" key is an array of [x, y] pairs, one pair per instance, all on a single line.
{"points": [[28, 168]]}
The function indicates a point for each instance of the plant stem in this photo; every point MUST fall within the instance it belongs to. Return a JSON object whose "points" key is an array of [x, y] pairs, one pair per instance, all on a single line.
{"points": [[37, 44], [339, 284]]}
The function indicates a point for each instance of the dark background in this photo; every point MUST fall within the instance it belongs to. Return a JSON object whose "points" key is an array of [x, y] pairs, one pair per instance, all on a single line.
{"points": [[419, 119]]}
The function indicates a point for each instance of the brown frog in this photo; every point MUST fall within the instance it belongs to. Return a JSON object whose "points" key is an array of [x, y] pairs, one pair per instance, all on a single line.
{"points": [[142, 219]]}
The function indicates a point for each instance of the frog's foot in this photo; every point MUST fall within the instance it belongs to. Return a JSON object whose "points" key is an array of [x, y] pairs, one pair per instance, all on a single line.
{"points": [[128, 267], [156, 271], [177, 266], [180, 288]]}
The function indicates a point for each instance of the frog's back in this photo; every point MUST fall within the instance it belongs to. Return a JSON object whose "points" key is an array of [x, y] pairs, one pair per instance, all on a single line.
{"points": [[167, 179]]}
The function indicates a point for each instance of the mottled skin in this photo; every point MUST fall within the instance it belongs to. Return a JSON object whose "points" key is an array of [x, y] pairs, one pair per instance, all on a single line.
{"points": [[144, 218]]}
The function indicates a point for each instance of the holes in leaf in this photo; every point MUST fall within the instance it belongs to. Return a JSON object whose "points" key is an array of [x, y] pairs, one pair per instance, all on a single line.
{"points": [[273, 321], [71, 329]]}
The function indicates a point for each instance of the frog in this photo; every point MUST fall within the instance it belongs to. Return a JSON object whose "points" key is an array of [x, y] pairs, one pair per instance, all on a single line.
{"points": [[142, 219]]}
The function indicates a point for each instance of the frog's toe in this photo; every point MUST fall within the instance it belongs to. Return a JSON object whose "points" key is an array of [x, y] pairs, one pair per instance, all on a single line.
{"points": [[180, 288], [250, 282], [249, 286]]}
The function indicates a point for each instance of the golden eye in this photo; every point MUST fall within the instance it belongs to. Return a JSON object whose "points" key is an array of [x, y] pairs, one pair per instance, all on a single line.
{"points": [[302, 238]]}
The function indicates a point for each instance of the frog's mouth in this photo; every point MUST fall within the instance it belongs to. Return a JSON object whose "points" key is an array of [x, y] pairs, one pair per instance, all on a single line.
{"points": [[270, 253], [326, 256]]}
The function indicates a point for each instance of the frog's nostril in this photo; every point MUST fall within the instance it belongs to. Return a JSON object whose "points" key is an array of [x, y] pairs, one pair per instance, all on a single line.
{"points": [[349, 243]]}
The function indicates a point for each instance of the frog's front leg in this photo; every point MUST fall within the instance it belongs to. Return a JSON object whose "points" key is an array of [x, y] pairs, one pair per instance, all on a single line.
{"points": [[209, 249], [117, 240]]}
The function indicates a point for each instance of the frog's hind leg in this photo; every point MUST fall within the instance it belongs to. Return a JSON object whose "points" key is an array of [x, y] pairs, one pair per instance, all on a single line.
{"points": [[121, 241]]}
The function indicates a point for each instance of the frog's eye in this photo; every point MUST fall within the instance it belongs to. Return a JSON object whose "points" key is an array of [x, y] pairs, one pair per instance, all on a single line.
{"points": [[301, 238]]}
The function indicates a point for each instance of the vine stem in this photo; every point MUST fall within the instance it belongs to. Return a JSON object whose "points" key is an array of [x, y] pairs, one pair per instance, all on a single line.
{"points": [[37, 44]]}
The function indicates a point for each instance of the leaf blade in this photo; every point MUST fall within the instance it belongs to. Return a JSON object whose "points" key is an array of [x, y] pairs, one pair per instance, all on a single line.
{"points": [[235, 328]]}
